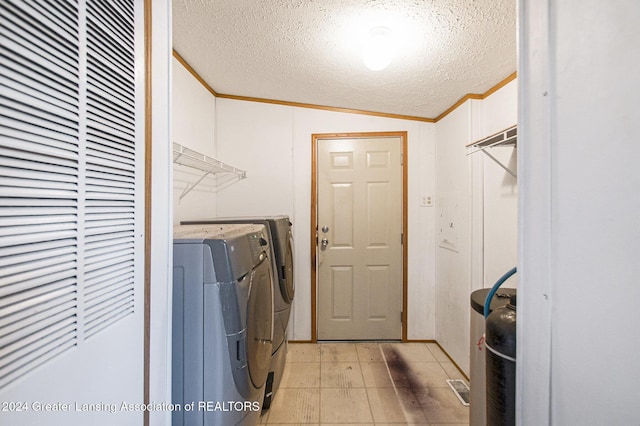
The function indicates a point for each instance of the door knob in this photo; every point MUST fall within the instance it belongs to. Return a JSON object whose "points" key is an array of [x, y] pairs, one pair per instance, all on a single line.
{"points": [[324, 243]]}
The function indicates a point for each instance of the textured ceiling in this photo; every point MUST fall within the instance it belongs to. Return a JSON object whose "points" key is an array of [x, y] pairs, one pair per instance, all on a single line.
{"points": [[309, 51]]}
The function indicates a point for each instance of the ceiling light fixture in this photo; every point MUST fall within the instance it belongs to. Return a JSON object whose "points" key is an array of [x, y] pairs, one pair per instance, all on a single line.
{"points": [[378, 50]]}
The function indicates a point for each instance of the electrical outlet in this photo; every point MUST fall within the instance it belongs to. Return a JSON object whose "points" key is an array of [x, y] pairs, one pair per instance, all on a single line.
{"points": [[426, 201]]}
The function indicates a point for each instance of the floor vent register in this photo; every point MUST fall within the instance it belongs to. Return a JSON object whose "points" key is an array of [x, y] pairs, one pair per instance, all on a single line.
{"points": [[461, 389]]}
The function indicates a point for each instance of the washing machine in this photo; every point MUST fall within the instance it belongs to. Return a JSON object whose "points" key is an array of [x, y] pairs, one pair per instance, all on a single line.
{"points": [[222, 319], [281, 237]]}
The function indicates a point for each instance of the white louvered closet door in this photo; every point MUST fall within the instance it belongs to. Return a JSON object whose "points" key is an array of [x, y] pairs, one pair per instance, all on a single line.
{"points": [[71, 202]]}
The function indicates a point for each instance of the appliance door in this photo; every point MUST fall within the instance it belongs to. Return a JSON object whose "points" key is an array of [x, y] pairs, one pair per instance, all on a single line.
{"points": [[287, 284], [260, 322]]}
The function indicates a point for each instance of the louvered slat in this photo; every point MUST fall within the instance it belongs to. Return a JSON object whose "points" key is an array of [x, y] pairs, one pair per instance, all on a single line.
{"points": [[94, 177], [35, 278], [62, 284], [104, 17], [101, 299], [66, 14], [124, 9], [107, 219], [108, 117], [23, 271], [51, 346], [109, 311], [53, 149], [40, 204], [113, 112], [107, 249], [102, 67], [108, 52], [104, 80], [107, 278], [12, 81], [32, 219], [103, 158], [109, 265], [15, 241], [117, 11], [36, 309], [39, 170], [15, 345], [36, 34], [120, 173], [28, 119], [99, 137], [109, 151], [32, 192], [62, 71], [109, 317], [28, 69], [25, 169], [37, 228], [56, 68], [42, 346], [107, 190], [40, 155], [121, 208], [17, 103], [118, 135], [58, 16], [29, 101], [101, 240], [107, 281], [114, 275], [48, 251]]}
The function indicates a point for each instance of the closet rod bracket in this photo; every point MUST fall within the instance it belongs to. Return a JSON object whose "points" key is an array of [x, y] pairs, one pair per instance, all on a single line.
{"points": [[505, 138]]}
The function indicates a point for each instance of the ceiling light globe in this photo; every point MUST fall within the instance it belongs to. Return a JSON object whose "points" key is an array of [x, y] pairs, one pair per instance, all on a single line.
{"points": [[378, 51]]}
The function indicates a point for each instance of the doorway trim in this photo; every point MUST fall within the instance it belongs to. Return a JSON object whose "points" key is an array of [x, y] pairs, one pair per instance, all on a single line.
{"points": [[314, 219]]}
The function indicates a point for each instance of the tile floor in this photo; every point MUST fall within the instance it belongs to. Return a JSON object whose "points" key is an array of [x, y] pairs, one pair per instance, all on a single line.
{"points": [[367, 384]]}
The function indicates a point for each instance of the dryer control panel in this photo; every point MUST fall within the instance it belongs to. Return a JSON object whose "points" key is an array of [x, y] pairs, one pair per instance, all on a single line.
{"points": [[259, 245]]}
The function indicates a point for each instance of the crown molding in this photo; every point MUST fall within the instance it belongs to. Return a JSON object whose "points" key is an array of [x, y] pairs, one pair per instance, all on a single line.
{"points": [[462, 100]]}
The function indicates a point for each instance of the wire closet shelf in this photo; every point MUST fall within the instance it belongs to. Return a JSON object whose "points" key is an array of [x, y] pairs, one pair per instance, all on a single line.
{"points": [[209, 166]]}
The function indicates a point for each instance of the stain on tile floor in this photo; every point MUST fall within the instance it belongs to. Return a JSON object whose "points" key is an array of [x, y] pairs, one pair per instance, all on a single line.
{"points": [[366, 384]]}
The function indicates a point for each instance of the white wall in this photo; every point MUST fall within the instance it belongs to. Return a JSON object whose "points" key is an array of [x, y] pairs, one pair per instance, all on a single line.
{"points": [[257, 138], [500, 190], [453, 233], [476, 209], [193, 110], [579, 182], [273, 144]]}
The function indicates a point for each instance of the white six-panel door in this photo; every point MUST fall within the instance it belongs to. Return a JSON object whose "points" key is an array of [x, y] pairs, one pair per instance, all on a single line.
{"points": [[359, 238]]}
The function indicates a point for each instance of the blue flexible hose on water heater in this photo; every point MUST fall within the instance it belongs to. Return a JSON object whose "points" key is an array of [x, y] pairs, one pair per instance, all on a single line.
{"points": [[496, 286]]}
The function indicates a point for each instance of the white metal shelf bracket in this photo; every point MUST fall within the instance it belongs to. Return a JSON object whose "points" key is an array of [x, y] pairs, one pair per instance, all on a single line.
{"points": [[508, 138], [190, 158]]}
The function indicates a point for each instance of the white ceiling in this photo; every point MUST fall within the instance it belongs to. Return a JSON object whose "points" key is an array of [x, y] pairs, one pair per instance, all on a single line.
{"points": [[309, 51]]}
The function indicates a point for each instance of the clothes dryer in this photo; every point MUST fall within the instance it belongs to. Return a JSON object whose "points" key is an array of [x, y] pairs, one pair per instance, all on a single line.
{"points": [[281, 237], [222, 323]]}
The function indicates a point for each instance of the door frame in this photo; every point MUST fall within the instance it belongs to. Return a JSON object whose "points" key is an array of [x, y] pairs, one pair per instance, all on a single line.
{"points": [[314, 218]]}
